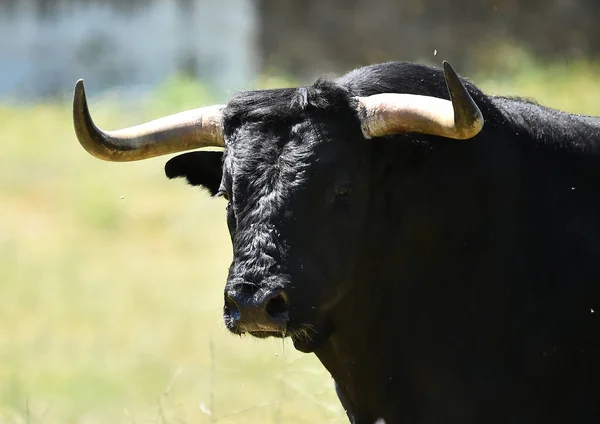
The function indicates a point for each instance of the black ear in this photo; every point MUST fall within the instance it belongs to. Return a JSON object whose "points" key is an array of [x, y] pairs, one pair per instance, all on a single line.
{"points": [[199, 168]]}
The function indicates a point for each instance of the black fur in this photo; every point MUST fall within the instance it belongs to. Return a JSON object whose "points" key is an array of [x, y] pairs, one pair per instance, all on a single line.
{"points": [[437, 280], [198, 168]]}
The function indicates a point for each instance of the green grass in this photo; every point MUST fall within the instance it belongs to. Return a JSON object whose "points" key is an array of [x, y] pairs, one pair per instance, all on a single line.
{"points": [[111, 277]]}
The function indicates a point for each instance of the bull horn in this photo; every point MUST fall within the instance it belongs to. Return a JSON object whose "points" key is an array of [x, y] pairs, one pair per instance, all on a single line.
{"points": [[187, 130], [392, 113]]}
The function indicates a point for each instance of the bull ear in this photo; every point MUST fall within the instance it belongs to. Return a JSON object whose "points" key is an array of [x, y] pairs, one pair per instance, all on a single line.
{"points": [[199, 168]]}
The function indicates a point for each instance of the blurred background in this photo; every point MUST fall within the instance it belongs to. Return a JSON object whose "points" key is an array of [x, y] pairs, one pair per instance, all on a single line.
{"points": [[111, 277]]}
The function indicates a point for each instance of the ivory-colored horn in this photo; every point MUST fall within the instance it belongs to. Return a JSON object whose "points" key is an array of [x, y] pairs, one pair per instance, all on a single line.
{"points": [[187, 130], [393, 113]]}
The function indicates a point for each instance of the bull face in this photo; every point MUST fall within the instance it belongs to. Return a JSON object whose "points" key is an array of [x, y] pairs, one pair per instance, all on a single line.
{"points": [[297, 194], [294, 215]]}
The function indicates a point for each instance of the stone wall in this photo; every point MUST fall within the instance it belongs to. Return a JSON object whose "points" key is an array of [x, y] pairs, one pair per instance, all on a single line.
{"points": [[46, 45]]}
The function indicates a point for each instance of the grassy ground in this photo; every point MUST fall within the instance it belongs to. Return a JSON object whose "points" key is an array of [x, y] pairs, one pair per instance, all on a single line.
{"points": [[111, 278]]}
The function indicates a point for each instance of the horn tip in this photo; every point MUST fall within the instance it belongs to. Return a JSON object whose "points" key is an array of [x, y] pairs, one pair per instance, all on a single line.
{"points": [[79, 89], [448, 69]]}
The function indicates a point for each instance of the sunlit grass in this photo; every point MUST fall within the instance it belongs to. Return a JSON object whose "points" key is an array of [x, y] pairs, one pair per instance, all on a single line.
{"points": [[111, 277]]}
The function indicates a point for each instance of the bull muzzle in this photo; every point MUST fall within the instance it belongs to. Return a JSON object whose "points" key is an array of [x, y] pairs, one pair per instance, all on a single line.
{"points": [[263, 313]]}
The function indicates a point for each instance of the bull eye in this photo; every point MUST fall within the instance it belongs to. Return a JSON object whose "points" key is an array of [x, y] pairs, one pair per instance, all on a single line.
{"points": [[223, 193], [342, 191]]}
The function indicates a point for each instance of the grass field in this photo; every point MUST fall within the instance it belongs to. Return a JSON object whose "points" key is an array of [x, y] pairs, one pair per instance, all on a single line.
{"points": [[111, 278]]}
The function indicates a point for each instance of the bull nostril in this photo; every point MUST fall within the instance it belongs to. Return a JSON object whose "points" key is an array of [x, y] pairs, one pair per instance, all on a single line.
{"points": [[277, 304], [231, 309]]}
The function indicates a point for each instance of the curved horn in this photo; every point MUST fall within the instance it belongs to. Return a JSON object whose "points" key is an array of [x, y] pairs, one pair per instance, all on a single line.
{"points": [[187, 130], [392, 113]]}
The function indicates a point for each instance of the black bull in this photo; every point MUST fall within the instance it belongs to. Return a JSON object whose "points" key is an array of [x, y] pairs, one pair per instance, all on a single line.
{"points": [[443, 272]]}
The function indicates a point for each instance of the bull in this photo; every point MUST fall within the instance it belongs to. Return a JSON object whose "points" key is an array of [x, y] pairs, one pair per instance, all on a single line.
{"points": [[442, 270]]}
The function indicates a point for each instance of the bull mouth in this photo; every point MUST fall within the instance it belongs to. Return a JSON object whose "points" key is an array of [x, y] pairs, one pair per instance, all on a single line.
{"points": [[264, 334], [305, 337]]}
